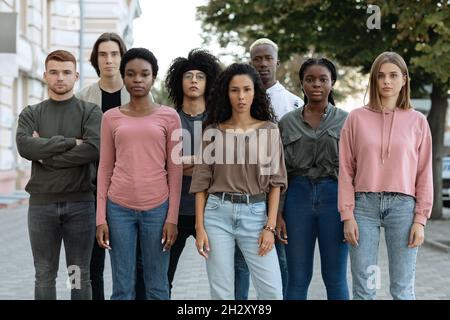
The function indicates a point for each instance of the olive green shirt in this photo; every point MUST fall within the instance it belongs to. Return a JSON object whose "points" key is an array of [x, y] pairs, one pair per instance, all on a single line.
{"points": [[308, 152], [60, 169]]}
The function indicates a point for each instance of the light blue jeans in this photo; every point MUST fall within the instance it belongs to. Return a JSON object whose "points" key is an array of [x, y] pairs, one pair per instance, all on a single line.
{"points": [[242, 275], [125, 225], [228, 224], [394, 212]]}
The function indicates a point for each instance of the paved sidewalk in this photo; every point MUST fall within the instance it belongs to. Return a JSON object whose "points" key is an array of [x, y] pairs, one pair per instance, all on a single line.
{"points": [[17, 272]]}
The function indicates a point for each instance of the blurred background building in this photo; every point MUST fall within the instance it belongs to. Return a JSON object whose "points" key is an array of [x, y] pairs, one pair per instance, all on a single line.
{"points": [[29, 30]]}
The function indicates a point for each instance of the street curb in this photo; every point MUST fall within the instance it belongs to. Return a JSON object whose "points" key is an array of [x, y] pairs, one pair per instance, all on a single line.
{"points": [[437, 245]]}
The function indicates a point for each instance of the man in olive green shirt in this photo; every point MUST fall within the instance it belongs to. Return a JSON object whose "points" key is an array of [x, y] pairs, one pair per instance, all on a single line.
{"points": [[60, 136]]}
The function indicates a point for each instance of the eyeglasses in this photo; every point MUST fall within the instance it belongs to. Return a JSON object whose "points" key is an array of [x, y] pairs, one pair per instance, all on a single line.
{"points": [[190, 76]]}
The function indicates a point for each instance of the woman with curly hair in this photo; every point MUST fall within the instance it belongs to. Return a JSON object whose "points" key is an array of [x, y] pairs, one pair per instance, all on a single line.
{"points": [[188, 82], [238, 177]]}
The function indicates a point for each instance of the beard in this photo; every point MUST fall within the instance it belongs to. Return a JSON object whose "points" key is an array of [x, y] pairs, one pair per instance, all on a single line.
{"points": [[61, 90]]}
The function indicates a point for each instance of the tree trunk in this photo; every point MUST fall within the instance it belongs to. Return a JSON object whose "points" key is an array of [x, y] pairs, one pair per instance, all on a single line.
{"points": [[437, 119]]}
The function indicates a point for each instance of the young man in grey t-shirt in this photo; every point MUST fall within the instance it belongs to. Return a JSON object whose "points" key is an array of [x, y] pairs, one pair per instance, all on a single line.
{"points": [[189, 81]]}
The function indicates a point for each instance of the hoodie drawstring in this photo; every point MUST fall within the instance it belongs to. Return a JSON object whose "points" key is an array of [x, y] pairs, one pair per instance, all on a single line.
{"points": [[382, 136], [390, 136]]}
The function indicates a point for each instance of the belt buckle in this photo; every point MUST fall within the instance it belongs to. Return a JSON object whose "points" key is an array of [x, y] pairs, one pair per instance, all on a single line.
{"points": [[236, 198]]}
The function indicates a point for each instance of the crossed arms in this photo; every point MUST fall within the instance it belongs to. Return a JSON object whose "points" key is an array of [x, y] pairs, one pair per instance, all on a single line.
{"points": [[59, 151]]}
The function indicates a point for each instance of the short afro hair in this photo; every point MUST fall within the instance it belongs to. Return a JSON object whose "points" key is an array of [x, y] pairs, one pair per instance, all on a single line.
{"points": [[139, 53], [198, 59]]}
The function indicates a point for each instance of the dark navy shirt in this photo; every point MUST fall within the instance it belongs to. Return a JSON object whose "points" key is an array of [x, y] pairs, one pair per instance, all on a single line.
{"points": [[192, 137]]}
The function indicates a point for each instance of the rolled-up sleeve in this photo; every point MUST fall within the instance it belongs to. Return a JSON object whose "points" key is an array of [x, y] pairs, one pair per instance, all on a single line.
{"points": [[279, 176], [203, 172]]}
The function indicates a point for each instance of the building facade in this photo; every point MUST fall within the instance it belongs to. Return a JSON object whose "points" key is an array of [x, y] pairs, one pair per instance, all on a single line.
{"points": [[35, 28]]}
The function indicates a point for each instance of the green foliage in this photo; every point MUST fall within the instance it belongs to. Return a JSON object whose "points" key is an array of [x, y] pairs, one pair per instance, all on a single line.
{"points": [[160, 94], [418, 30]]}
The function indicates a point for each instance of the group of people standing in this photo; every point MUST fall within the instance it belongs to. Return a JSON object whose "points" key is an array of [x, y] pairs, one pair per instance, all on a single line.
{"points": [[250, 170]]}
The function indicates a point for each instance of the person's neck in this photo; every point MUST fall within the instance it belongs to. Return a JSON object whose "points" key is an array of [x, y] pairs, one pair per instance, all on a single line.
{"points": [[241, 121], [140, 104], [193, 107], [111, 84], [389, 103], [269, 84], [316, 107], [60, 97]]}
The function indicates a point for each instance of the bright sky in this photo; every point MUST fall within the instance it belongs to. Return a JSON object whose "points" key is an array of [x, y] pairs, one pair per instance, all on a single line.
{"points": [[169, 29]]}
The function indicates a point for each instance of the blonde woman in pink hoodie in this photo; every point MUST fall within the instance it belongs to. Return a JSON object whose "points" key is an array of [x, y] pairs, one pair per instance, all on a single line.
{"points": [[385, 180]]}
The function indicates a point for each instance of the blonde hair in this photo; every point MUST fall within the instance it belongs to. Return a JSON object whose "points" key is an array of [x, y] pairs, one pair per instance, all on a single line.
{"points": [[262, 41], [403, 100]]}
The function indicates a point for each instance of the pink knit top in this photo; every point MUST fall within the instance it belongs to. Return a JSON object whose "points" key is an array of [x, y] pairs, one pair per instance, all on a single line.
{"points": [[137, 169]]}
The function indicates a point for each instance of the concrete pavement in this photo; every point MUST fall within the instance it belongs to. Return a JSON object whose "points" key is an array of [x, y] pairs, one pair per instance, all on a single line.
{"points": [[17, 272]]}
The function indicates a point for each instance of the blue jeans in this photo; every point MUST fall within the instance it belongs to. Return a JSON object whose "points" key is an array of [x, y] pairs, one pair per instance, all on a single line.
{"points": [[228, 224], [48, 225], [311, 214], [242, 274], [125, 225], [98, 266], [394, 212]]}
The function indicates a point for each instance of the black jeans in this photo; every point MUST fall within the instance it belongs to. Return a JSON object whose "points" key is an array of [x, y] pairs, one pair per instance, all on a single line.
{"points": [[97, 268], [186, 228], [48, 226]]}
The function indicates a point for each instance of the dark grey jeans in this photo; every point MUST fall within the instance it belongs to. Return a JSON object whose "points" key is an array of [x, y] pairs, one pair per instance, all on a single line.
{"points": [[73, 223]]}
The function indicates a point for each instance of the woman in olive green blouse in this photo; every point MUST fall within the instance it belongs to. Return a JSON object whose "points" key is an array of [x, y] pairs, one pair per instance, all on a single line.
{"points": [[310, 137]]}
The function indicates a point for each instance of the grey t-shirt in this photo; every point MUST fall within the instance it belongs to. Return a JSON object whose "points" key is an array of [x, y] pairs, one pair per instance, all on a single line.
{"points": [[192, 136]]}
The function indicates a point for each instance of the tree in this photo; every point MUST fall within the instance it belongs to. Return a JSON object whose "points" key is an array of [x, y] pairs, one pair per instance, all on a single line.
{"points": [[352, 33], [160, 94]]}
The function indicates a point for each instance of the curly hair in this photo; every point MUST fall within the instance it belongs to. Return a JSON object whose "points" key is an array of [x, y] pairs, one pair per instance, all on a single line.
{"points": [[139, 53], [198, 59], [324, 62], [218, 106]]}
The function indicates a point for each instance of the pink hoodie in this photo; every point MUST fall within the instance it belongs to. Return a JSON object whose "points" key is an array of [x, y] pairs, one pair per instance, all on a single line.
{"points": [[387, 151]]}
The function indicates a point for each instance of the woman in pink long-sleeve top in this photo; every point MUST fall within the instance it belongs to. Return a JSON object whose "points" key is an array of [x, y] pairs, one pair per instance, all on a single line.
{"points": [[385, 180], [139, 182]]}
